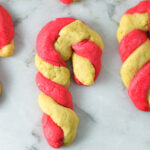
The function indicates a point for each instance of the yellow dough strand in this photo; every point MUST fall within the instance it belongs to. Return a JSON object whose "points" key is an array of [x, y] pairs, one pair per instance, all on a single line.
{"points": [[62, 116], [73, 34], [60, 75], [82, 68], [7, 50], [134, 63], [129, 23]]}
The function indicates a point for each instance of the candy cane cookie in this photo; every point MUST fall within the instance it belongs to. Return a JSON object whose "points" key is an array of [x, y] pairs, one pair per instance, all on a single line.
{"points": [[6, 34], [134, 48], [69, 1], [56, 43]]}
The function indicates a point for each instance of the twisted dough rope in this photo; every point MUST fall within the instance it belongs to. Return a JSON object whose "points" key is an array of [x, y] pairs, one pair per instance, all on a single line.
{"points": [[135, 53], [69, 1], [54, 46], [6, 34]]}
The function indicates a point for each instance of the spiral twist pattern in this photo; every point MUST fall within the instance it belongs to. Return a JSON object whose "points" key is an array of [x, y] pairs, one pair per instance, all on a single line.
{"points": [[133, 36], [7, 34], [54, 46]]}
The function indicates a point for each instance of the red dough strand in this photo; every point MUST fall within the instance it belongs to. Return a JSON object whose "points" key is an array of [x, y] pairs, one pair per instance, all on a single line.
{"points": [[142, 7], [59, 93], [130, 42], [46, 39], [53, 133], [141, 83], [67, 1]]}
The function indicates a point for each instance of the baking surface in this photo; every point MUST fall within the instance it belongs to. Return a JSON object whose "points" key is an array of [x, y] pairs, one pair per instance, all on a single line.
{"points": [[108, 119]]}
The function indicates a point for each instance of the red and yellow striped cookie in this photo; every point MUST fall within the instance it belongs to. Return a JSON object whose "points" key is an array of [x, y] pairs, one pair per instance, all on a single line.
{"points": [[133, 36], [56, 43], [68, 1], [6, 34]]}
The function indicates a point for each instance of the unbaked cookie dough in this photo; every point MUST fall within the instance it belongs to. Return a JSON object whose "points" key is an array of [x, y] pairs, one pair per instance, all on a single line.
{"points": [[6, 34], [56, 43], [133, 36]]}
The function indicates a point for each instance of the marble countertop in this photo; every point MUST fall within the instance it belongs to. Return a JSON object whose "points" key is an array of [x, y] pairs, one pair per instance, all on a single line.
{"points": [[108, 119]]}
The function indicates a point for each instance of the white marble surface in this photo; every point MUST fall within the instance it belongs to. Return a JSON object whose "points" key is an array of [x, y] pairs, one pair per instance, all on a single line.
{"points": [[108, 119]]}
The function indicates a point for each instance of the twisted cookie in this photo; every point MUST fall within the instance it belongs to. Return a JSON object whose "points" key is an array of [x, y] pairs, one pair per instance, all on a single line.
{"points": [[68, 1], [135, 53], [6, 34], [54, 46]]}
